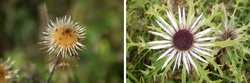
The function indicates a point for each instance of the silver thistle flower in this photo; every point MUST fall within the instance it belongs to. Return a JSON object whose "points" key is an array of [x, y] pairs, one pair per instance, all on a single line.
{"points": [[183, 41]]}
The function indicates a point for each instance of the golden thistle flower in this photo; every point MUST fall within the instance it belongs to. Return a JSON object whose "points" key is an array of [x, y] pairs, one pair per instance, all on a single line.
{"points": [[5, 71], [63, 37]]}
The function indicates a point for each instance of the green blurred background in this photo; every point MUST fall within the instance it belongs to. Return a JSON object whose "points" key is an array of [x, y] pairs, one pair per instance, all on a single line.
{"points": [[23, 21]]}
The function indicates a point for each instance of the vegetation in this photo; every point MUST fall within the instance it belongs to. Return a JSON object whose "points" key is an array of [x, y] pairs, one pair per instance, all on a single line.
{"points": [[230, 61], [23, 21]]}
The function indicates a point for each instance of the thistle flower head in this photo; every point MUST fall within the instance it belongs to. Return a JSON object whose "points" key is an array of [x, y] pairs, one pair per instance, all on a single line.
{"points": [[63, 37], [229, 30], [6, 73], [182, 40]]}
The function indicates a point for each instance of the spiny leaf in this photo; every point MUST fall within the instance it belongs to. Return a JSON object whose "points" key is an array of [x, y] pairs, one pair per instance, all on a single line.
{"points": [[229, 42], [132, 76]]}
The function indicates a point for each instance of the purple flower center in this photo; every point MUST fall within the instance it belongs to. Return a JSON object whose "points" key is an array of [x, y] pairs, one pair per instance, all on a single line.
{"points": [[183, 39]]}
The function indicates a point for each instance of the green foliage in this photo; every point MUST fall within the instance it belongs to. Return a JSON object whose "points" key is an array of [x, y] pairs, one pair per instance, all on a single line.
{"points": [[230, 57], [23, 21]]}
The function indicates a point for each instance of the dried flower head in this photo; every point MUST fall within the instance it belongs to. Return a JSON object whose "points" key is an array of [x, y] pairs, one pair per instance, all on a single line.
{"points": [[6, 73], [183, 41], [229, 31], [59, 63], [63, 37]]}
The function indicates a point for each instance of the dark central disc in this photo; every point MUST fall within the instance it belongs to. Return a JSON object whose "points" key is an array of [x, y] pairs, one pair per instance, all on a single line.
{"points": [[183, 39]]}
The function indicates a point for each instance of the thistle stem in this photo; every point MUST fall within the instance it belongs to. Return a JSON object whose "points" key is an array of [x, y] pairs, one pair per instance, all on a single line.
{"points": [[53, 68], [46, 13]]}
